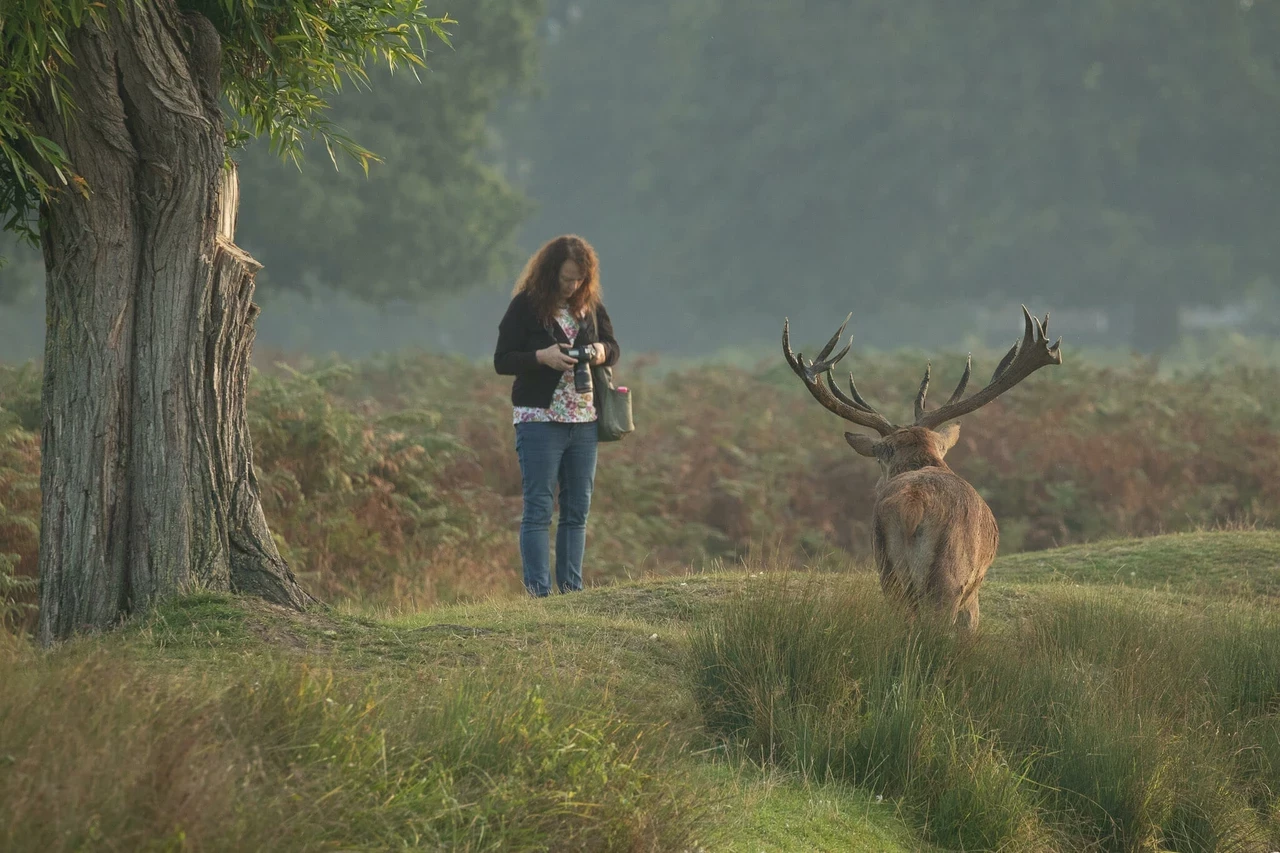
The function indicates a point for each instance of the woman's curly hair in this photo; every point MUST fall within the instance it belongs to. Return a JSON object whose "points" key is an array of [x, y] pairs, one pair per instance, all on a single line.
{"points": [[541, 277]]}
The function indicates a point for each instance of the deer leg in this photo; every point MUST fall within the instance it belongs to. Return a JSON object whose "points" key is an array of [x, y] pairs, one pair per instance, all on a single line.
{"points": [[968, 615], [891, 580], [898, 593]]}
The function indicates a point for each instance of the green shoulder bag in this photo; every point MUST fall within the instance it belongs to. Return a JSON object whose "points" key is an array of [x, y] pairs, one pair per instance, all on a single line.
{"points": [[613, 406]]}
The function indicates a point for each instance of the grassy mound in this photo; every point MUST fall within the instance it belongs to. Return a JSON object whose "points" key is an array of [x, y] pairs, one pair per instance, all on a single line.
{"points": [[765, 709], [1224, 563], [220, 723], [102, 754]]}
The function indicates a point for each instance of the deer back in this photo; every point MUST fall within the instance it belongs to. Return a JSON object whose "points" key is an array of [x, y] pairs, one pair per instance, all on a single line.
{"points": [[935, 536]]}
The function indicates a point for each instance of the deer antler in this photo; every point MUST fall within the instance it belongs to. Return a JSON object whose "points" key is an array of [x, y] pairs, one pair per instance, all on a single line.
{"points": [[1023, 358], [852, 407], [955, 395]]}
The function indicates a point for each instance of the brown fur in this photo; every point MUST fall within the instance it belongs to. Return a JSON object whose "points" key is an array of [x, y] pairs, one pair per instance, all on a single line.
{"points": [[934, 536]]}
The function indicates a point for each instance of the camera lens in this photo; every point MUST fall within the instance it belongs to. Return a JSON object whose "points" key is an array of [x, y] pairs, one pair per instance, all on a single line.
{"points": [[582, 377]]}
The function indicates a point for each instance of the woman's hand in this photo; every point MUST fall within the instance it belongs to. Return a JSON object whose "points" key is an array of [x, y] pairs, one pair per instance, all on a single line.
{"points": [[598, 353], [554, 357]]}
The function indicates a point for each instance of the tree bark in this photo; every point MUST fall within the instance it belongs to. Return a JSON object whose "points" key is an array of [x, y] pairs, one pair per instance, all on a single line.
{"points": [[147, 474]]}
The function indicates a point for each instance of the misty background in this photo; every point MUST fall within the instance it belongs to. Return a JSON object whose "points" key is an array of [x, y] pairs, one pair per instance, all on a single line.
{"points": [[927, 166]]}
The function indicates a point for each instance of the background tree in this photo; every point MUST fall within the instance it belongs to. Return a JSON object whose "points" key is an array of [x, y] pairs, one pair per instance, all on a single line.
{"points": [[21, 270], [435, 217], [112, 127], [1091, 154]]}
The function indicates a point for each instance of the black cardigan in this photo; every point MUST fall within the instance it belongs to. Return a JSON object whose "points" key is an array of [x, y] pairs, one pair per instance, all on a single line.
{"points": [[521, 335]]}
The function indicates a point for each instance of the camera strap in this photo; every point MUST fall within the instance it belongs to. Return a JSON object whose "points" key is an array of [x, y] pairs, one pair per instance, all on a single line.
{"points": [[556, 332], [551, 327]]}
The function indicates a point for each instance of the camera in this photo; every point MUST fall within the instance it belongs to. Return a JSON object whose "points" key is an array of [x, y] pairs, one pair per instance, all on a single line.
{"points": [[582, 370]]}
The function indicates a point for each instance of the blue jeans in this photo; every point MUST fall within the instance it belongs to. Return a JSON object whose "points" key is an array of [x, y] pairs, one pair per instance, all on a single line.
{"points": [[551, 453]]}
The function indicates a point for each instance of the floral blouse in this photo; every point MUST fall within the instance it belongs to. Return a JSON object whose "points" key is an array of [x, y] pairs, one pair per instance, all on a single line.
{"points": [[567, 405]]}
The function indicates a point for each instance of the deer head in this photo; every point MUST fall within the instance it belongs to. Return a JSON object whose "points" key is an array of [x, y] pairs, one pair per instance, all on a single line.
{"points": [[926, 441]]}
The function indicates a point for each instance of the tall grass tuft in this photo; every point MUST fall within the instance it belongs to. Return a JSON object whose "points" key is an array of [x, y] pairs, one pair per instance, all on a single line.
{"points": [[280, 758], [1094, 723]]}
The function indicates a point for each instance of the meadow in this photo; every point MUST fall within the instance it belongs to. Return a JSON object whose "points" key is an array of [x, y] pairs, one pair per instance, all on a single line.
{"points": [[771, 707], [732, 681]]}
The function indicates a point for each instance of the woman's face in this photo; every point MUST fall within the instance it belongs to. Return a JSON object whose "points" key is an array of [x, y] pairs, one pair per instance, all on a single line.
{"points": [[571, 278]]}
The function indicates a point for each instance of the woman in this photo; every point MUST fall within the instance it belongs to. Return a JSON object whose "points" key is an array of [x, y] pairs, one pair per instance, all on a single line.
{"points": [[556, 307]]}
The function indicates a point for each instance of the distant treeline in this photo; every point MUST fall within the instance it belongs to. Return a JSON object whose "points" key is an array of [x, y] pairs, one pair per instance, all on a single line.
{"points": [[738, 161]]}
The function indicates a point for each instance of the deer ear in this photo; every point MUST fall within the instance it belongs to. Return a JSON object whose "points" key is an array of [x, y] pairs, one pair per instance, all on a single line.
{"points": [[949, 434], [864, 444]]}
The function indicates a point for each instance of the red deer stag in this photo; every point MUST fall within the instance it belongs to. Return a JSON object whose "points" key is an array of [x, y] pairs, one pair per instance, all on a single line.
{"points": [[934, 534]]}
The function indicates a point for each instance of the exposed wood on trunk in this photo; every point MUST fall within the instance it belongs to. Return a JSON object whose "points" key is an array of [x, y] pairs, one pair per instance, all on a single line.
{"points": [[229, 204], [255, 564]]}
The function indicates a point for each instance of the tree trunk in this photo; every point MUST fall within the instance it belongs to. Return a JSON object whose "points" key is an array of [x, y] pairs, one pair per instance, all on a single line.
{"points": [[147, 474]]}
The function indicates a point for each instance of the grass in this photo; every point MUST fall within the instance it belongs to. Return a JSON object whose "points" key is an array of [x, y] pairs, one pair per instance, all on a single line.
{"points": [[765, 709], [220, 723], [196, 731], [1219, 563], [1082, 717], [785, 813]]}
